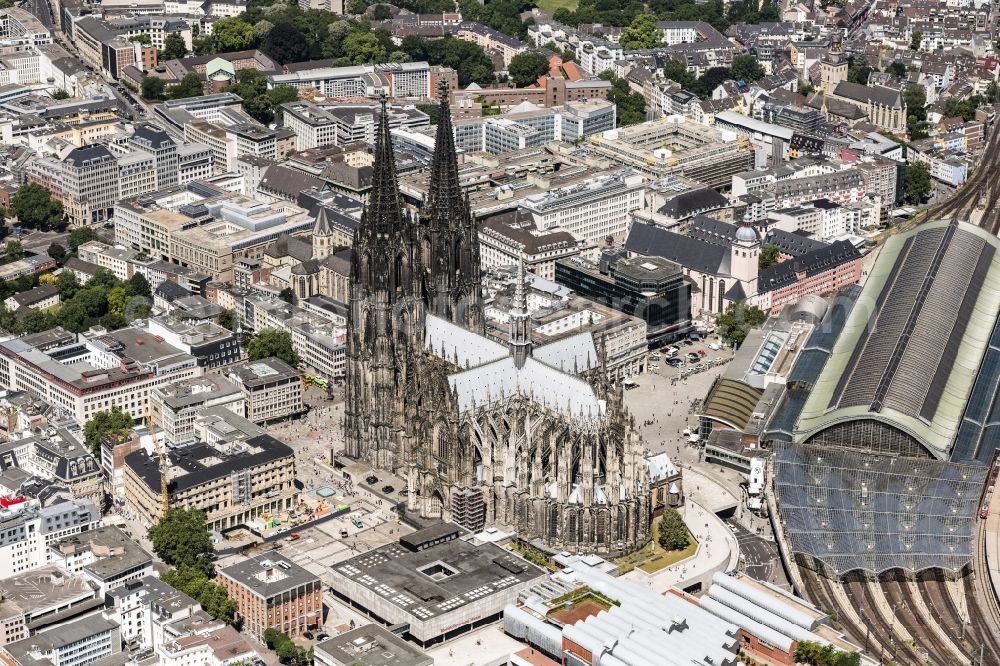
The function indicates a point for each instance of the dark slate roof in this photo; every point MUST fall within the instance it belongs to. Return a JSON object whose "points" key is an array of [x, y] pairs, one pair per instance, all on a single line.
{"points": [[811, 263], [712, 230], [94, 152], [689, 252], [736, 292], [689, 203], [287, 182], [171, 291], [36, 295], [79, 265], [290, 246], [157, 138], [340, 262], [874, 94], [790, 243]]}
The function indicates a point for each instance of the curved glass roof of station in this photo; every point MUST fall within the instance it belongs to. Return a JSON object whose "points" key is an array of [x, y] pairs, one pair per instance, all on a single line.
{"points": [[919, 347]]}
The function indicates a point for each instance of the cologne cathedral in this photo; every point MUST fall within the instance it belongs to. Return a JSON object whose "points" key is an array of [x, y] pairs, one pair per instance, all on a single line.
{"points": [[529, 438]]}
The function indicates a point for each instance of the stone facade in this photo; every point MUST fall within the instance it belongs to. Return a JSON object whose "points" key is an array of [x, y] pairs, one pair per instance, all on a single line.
{"points": [[540, 432]]}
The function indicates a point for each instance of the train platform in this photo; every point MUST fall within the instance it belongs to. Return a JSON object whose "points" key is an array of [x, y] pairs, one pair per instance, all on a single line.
{"points": [[991, 546]]}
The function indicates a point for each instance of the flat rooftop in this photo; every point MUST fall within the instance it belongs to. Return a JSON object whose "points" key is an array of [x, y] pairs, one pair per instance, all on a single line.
{"points": [[269, 575], [371, 645], [438, 579]]}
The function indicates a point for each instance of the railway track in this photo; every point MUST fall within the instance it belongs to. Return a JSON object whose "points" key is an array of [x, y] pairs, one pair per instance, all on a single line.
{"points": [[898, 593], [944, 612], [901, 652], [817, 590], [989, 646], [981, 191]]}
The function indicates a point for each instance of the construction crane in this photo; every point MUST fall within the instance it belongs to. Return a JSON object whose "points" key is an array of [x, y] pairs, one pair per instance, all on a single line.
{"points": [[164, 494]]}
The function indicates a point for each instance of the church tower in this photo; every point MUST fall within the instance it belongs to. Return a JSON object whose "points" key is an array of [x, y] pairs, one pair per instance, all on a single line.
{"points": [[322, 235], [833, 65], [520, 323], [449, 243], [383, 316], [745, 255]]}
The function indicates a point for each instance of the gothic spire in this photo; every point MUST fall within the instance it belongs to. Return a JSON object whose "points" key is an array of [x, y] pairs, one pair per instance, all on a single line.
{"points": [[383, 213], [444, 196], [520, 326]]}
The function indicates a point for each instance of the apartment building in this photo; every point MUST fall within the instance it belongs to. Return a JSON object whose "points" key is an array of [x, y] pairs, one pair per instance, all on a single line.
{"points": [[157, 143], [86, 180], [143, 608], [406, 80], [115, 259], [77, 643], [233, 480], [106, 557], [27, 530], [272, 592], [512, 238], [272, 389], [204, 642], [205, 228], [116, 369], [175, 408], [527, 125], [591, 210]]}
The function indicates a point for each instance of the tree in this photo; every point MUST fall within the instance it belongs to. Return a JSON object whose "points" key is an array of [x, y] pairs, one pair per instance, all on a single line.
{"points": [[631, 105], [641, 33], [190, 86], [859, 73], [35, 208], [152, 88], [992, 92], [181, 539], [746, 68], [228, 319], [286, 43], [57, 252], [232, 34], [356, 6], [677, 71], [60, 94], [768, 256], [79, 236], [139, 286], [819, 654], [118, 299], [194, 582], [270, 342], [896, 68], [14, 250], [917, 184], [915, 39], [525, 68], [67, 285], [381, 13], [287, 295], [174, 46], [915, 97], [734, 324], [114, 424], [35, 321], [673, 533], [364, 47]]}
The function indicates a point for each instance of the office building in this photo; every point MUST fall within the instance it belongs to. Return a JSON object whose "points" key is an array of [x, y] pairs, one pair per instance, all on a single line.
{"points": [[78, 643], [369, 645], [272, 592], [233, 480], [413, 80], [25, 534], [175, 407], [271, 388]]}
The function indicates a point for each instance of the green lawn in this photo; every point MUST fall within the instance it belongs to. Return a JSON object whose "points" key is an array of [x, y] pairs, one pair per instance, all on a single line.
{"points": [[653, 557], [552, 5]]}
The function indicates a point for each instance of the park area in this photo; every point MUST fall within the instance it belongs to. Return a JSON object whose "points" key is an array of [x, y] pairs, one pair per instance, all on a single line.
{"points": [[552, 5], [654, 557]]}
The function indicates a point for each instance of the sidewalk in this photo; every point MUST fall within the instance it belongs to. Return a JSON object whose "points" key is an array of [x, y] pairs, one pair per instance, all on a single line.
{"points": [[718, 550]]}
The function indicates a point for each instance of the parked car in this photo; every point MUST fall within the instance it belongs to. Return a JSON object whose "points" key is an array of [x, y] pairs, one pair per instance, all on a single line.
{"points": [[714, 346], [691, 356], [654, 366], [371, 479], [701, 352], [307, 635], [322, 637], [674, 362], [388, 489]]}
